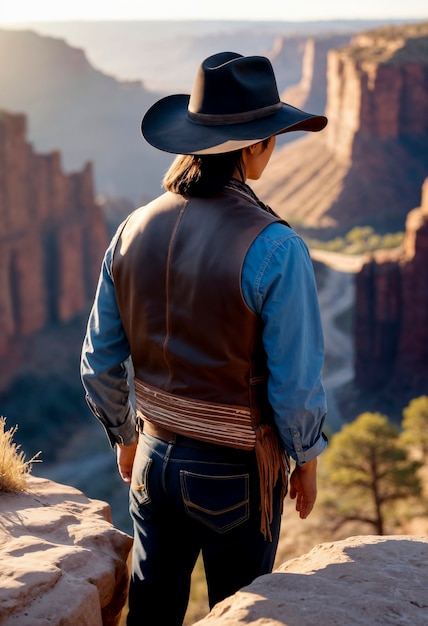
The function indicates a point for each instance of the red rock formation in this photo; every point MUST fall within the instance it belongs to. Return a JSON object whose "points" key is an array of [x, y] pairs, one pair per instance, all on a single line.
{"points": [[311, 89], [391, 319], [368, 165], [376, 91], [52, 235]]}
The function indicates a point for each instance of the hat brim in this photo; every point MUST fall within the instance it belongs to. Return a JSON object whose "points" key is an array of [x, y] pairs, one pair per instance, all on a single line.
{"points": [[167, 127]]}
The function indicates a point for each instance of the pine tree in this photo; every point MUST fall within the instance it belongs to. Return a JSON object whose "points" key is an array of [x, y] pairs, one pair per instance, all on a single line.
{"points": [[415, 426], [367, 470]]}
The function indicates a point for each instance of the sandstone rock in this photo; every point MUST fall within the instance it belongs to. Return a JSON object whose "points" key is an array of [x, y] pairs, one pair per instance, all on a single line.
{"points": [[365, 581], [308, 88], [61, 560], [52, 239], [367, 166], [378, 88], [391, 311]]}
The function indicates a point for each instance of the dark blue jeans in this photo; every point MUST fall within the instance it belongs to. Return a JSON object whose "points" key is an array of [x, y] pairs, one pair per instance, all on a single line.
{"points": [[184, 500]]}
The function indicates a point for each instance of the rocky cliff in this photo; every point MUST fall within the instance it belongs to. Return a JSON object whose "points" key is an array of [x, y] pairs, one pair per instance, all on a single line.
{"points": [[368, 166], [310, 89], [52, 237], [391, 311], [378, 88], [359, 581], [62, 562]]}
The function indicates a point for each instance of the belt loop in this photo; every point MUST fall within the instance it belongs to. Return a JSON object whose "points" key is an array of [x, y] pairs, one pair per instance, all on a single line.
{"points": [[140, 424]]}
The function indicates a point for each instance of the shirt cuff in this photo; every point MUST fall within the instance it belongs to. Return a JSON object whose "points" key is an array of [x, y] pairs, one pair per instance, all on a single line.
{"points": [[302, 456], [124, 434]]}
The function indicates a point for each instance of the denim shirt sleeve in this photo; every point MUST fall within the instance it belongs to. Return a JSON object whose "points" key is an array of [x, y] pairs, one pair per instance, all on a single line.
{"points": [[105, 362], [278, 283]]}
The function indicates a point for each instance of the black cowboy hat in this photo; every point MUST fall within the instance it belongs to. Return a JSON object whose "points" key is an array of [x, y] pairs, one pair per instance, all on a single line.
{"points": [[234, 103]]}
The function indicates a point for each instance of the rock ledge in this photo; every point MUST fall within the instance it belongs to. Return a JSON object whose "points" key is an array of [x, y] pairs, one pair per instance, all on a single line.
{"points": [[62, 562], [366, 580]]}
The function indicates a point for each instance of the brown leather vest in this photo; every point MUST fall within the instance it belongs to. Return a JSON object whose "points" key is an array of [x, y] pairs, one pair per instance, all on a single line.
{"points": [[200, 367], [177, 273]]}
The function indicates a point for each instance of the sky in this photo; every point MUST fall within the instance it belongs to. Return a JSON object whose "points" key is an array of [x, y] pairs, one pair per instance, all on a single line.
{"points": [[12, 11]]}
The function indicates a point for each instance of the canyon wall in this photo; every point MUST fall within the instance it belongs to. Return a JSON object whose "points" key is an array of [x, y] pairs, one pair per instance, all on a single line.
{"points": [[52, 237], [377, 89], [367, 167], [391, 311], [377, 105], [309, 91]]}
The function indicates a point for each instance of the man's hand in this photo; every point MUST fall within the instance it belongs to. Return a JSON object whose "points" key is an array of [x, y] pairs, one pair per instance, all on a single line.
{"points": [[303, 485], [125, 460]]}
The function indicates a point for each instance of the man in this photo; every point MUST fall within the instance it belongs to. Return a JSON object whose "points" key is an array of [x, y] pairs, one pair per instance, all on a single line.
{"points": [[211, 297]]}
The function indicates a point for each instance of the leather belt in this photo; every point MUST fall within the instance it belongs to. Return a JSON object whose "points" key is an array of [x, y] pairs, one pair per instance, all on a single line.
{"points": [[158, 432]]}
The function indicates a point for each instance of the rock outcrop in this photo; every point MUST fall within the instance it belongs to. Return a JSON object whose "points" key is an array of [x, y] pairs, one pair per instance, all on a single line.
{"points": [[52, 238], [378, 89], [368, 165], [363, 581], [62, 563], [391, 311], [310, 90]]}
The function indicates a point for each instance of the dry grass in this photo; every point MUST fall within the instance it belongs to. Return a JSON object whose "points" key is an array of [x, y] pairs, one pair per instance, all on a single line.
{"points": [[14, 469]]}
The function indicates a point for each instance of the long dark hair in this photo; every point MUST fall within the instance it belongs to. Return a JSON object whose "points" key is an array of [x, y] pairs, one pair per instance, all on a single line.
{"points": [[202, 175]]}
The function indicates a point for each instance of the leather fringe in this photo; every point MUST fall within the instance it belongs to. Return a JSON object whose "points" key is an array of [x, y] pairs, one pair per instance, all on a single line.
{"points": [[273, 465]]}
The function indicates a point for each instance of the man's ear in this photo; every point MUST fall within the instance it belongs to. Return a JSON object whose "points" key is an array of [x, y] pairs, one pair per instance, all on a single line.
{"points": [[251, 149]]}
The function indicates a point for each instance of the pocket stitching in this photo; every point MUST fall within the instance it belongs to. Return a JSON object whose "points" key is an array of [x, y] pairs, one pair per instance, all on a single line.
{"points": [[191, 507]]}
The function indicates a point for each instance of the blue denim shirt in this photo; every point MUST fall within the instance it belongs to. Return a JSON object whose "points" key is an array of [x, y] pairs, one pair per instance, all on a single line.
{"points": [[278, 283]]}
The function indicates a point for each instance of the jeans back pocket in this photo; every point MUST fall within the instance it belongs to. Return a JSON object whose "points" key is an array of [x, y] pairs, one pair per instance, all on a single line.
{"points": [[220, 502]]}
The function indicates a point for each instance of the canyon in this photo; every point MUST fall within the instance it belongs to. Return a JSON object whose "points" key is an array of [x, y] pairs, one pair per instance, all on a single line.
{"points": [[86, 115], [367, 167], [52, 238], [372, 86]]}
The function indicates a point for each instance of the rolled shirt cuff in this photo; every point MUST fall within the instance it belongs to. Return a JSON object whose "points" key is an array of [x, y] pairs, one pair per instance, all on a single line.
{"points": [[302, 456]]}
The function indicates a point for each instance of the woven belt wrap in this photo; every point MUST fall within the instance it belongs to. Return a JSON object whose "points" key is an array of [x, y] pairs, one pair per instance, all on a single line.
{"points": [[206, 421], [223, 425]]}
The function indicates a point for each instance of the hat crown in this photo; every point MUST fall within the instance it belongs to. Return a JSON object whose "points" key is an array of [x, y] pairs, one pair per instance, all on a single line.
{"points": [[229, 84]]}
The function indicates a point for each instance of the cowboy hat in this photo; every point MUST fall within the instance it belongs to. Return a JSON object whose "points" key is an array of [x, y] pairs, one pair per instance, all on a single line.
{"points": [[234, 103]]}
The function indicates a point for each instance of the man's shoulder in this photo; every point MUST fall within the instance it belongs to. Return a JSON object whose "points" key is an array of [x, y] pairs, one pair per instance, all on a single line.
{"points": [[278, 232], [276, 241]]}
